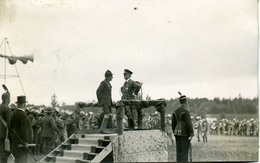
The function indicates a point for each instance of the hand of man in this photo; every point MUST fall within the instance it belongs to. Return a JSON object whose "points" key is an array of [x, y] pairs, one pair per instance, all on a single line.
{"points": [[191, 136], [26, 144]]}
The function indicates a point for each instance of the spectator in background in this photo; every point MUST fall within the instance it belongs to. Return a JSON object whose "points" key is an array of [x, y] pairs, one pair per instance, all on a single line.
{"points": [[168, 129], [197, 127], [82, 118], [71, 125], [204, 130], [49, 131]]}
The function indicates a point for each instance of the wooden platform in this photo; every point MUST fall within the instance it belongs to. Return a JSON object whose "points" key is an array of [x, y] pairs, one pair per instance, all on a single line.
{"points": [[132, 146]]}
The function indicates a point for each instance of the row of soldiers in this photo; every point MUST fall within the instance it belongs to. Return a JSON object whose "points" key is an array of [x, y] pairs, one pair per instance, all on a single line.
{"points": [[235, 127]]}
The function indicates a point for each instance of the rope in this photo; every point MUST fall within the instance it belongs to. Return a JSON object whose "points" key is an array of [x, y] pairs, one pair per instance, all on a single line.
{"points": [[2, 42], [5, 64]]}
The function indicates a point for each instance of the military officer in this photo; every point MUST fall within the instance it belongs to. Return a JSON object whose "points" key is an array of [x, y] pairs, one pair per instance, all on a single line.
{"points": [[6, 114], [130, 91], [104, 96], [182, 129]]}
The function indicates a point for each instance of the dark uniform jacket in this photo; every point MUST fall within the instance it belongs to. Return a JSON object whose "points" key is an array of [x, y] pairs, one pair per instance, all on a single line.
{"points": [[6, 114], [104, 93], [181, 122], [21, 125], [129, 89], [48, 126]]}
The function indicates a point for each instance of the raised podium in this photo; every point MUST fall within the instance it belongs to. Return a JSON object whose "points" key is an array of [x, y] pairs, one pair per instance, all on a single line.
{"points": [[124, 146]]}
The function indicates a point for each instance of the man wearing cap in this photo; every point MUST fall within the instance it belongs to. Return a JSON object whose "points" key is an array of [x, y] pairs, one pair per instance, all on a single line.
{"points": [[6, 114], [22, 132], [49, 129], [130, 91], [104, 96], [182, 129]]}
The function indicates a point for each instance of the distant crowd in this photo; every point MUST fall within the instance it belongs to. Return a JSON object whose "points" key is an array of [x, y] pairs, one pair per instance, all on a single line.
{"points": [[245, 127]]}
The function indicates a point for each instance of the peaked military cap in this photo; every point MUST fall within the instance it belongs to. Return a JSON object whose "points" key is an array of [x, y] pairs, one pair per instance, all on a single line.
{"points": [[108, 73], [127, 71]]}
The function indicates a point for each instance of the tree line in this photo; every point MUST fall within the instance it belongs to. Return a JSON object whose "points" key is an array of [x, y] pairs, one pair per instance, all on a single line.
{"points": [[202, 106], [197, 106]]}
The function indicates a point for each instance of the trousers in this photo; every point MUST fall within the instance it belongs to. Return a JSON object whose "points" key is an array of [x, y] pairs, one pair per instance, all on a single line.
{"points": [[3, 156], [21, 156], [182, 148]]}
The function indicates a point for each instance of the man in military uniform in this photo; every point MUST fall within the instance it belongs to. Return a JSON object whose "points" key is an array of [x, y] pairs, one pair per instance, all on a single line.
{"points": [[130, 91], [182, 129], [104, 96], [6, 114], [22, 131]]}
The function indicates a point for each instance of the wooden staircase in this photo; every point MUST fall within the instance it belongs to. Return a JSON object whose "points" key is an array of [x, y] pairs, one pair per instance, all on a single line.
{"points": [[82, 148]]}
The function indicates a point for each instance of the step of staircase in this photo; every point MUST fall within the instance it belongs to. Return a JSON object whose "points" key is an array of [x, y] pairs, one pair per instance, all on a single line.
{"points": [[65, 160], [79, 148], [99, 136], [89, 141], [73, 154]]}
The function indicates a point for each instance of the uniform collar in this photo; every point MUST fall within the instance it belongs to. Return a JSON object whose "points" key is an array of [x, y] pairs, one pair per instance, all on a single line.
{"points": [[128, 80], [20, 109]]}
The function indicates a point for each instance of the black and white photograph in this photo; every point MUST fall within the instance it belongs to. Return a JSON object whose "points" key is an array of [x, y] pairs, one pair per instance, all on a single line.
{"points": [[103, 81]]}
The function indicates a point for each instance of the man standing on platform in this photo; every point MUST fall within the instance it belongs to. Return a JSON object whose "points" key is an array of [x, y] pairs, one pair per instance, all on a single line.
{"points": [[5, 115], [104, 96], [130, 91], [182, 129], [22, 131]]}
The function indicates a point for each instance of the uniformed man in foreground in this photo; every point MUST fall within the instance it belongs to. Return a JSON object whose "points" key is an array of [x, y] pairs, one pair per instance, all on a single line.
{"points": [[104, 96], [130, 91], [5, 115], [182, 129]]}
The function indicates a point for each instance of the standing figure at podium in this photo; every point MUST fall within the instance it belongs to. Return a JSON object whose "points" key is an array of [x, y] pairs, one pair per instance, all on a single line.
{"points": [[104, 96], [130, 91]]}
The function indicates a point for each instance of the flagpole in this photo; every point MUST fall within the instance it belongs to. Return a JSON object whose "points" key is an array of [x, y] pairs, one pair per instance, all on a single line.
{"points": [[16, 68], [5, 62]]}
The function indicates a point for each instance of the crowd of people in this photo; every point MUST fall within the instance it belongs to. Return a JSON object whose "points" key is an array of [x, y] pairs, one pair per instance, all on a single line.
{"points": [[44, 128], [234, 127]]}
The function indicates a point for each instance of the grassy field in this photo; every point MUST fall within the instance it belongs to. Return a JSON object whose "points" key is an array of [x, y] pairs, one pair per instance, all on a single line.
{"points": [[218, 148], [221, 148]]}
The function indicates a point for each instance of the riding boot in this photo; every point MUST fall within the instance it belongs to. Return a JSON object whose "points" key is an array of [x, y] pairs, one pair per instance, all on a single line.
{"points": [[131, 124], [110, 122], [103, 128]]}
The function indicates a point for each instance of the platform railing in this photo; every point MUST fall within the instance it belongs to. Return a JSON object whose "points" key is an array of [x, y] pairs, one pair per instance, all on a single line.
{"points": [[120, 106]]}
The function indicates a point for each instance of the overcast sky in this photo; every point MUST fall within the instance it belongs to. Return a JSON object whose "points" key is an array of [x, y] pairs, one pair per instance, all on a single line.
{"points": [[203, 48]]}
